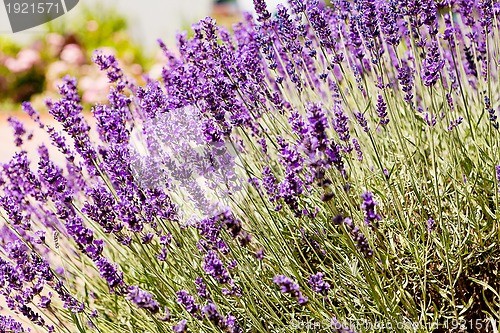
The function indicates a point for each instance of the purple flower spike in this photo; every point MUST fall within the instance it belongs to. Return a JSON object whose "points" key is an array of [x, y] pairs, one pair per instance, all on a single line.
{"points": [[188, 301], [358, 237], [497, 168], [432, 65], [110, 273], [215, 267], [382, 110], [8, 324], [287, 286], [318, 285], [261, 10], [259, 254], [320, 24], [340, 124], [181, 327], [19, 130], [360, 117], [142, 299], [110, 64], [368, 206], [430, 224], [406, 79], [201, 288], [211, 313]]}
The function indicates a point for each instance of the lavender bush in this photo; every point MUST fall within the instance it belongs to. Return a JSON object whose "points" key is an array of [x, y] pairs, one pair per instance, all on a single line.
{"points": [[340, 173]]}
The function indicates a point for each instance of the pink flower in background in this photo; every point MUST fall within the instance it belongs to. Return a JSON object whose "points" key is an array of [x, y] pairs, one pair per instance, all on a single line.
{"points": [[73, 54], [94, 89], [55, 71], [55, 42], [25, 60]]}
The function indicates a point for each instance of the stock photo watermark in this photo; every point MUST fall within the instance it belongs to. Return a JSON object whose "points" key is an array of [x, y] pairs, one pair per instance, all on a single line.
{"points": [[170, 151], [364, 325], [26, 14]]}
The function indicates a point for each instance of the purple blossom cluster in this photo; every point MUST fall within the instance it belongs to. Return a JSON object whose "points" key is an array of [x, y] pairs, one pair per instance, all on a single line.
{"points": [[24, 280], [8, 324], [318, 285], [431, 224], [27, 198], [209, 312], [288, 286], [368, 206], [19, 131], [497, 171], [360, 240], [142, 299]]}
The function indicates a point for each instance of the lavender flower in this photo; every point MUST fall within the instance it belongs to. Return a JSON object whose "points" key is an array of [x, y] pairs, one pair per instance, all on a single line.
{"points": [[19, 130], [181, 327], [215, 268], [319, 24], [270, 184], [110, 64], [152, 99], [340, 124], [290, 156], [210, 312], [430, 225], [142, 299], [67, 112], [360, 239], [382, 110], [335, 157], [318, 124], [497, 168], [406, 78], [30, 111], [290, 190], [188, 302], [287, 286], [102, 209], [493, 117], [360, 117], [25, 277], [111, 274], [318, 285], [432, 65], [469, 63], [454, 123], [259, 255], [368, 24], [449, 32], [357, 148], [486, 16], [201, 288], [355, 40], [261, 10], [288, 31], [431, 120], [389, 22], [8, 324], [368, 206]]}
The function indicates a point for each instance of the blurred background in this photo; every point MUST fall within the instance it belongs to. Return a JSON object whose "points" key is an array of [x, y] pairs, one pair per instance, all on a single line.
{"points": [[32, 62]]}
